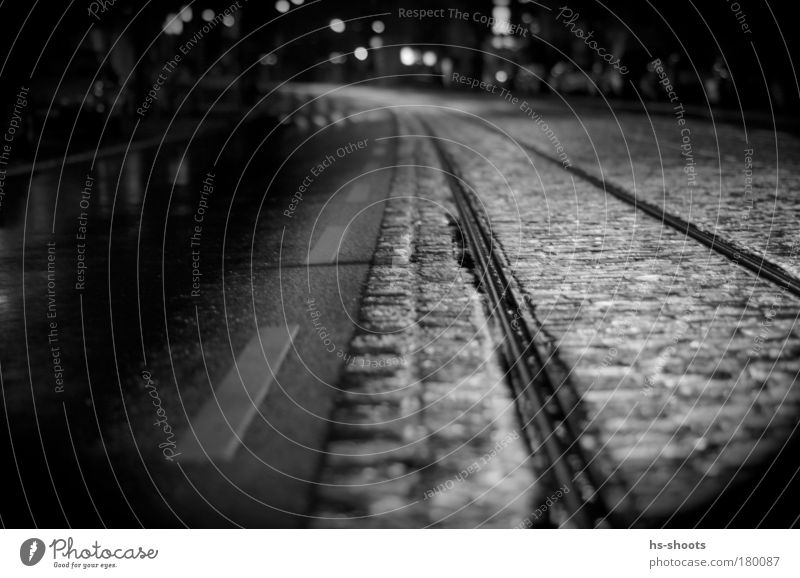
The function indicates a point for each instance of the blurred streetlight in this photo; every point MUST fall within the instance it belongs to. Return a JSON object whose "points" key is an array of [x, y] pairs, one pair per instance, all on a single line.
{"points": [[337, 25], [378, 27], [407, 56], [173, 24], [360, 53], [269, 59]]}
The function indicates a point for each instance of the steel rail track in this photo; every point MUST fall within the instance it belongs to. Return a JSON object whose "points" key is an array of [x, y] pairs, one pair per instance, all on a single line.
{"points": [[548, 420], [761, 267]]}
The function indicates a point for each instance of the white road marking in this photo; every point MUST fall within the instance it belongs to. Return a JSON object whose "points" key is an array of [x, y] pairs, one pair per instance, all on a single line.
{"points": [[220, 425], [326, 247], [359, 191]]}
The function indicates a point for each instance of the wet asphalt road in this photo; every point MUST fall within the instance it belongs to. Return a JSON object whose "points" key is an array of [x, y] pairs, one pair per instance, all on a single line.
{"points": [[163, 265]]}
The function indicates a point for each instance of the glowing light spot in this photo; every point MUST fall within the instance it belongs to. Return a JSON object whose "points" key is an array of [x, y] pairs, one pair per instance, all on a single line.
{"points": [[173, 24], [429, 58], [407, 55], [361, 53], [337, 25], [378, 27], [502, 16], [269, 59], [282, 6]]}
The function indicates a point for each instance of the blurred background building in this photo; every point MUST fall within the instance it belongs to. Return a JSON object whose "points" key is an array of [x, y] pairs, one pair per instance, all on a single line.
{"points": [[714, 54]]}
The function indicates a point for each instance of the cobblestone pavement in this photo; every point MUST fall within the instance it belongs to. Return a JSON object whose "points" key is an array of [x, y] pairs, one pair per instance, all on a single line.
{"points": [[425, 433], [736, 184], [685, 364]]}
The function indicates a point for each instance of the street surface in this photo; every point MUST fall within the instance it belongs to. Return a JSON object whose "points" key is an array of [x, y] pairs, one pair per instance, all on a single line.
{"points": [[277, 324]]}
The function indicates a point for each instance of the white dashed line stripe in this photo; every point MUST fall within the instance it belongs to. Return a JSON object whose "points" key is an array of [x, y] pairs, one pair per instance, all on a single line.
{"points": [[359, 191], [221, 423], [326, 247]]}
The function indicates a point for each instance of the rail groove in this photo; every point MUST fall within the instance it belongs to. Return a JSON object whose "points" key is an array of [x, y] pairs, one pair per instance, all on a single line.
{"points": [[549, 423], [761, 267]]}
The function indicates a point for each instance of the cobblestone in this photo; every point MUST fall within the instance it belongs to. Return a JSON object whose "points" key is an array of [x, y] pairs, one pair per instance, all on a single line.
{"points": [[404, 429], [646, 158], [660, 336]]}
